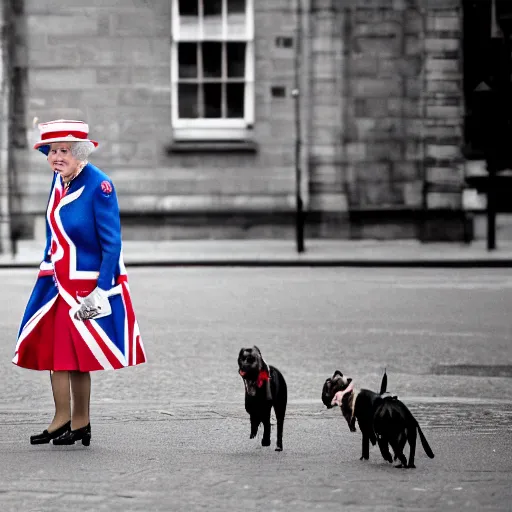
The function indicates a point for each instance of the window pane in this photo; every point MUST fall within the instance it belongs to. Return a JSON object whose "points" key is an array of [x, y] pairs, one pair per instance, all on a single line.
{"points": [[188, 101], [189, 7], [187, 59], [236, 60], [189, 17], [236, 18], [236, 7], [212, 20], [212, 7], [212, 100], [212, 60], [235, 100]]}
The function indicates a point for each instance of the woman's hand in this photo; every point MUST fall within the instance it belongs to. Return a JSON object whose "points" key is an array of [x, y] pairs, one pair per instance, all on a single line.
{"points": [[95, 305]]}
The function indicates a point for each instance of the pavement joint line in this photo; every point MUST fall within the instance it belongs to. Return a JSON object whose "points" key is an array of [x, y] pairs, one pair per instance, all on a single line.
{"points": [[194, 404]]}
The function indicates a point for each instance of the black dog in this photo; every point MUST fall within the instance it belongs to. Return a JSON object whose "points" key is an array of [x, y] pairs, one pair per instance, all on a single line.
{"points": [[394, 424], [382, 418], [265, 388], [357, 404]]}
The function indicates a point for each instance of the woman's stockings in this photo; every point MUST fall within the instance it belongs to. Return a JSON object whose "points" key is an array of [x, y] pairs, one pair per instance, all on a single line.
{"points": [[61, 398], [81, 394]]}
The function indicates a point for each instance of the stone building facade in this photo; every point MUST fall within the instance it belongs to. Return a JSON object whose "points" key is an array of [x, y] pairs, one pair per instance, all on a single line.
{"points": [[199, 128]]}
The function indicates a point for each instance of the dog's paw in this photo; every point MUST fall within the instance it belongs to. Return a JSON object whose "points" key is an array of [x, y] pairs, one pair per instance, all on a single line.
{"points": [[400, 466], [265, 442], [387, 457], [253, 435], [412, 466], [279, 448]]}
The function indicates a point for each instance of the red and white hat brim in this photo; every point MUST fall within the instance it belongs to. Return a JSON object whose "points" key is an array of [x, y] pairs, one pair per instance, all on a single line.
{"points": [[63, 130], [68, 138]]}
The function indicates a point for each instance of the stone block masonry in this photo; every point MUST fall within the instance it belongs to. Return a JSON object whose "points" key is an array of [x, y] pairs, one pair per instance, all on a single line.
{"points": [[395, 83], [6, 31]]}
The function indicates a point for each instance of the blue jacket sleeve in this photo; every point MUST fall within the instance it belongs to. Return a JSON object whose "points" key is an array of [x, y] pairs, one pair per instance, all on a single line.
{"points": [[108, 228]]}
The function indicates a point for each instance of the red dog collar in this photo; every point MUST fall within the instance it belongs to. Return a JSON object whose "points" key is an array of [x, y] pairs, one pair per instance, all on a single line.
{"points": [[263, 376]]}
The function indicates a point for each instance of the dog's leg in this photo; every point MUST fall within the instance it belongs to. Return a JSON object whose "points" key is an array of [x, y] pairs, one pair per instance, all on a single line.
{"points": [[266, 427], [402, 441], [384, 449], [397, 445], [280, 412], [401, 457], [255, 423], [366, 447], [411, 436]]}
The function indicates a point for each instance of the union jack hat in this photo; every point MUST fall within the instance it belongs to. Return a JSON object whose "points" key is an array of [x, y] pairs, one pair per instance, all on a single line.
{"points": [[63, 130]]}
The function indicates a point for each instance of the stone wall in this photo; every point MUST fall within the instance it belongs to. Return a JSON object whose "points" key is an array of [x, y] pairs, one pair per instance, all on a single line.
{"points": [[6, 43], [387, 114]]}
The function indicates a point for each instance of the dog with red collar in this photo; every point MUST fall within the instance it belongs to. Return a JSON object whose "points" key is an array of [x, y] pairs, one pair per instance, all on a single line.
{"points": [[265, 387]]}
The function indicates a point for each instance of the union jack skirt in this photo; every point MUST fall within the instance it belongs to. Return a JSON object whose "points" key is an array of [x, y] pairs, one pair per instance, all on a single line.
{"points": [[50, 338]]}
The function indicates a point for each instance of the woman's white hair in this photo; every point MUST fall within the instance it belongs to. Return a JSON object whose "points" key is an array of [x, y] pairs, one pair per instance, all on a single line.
{"points": [[81, 150]]}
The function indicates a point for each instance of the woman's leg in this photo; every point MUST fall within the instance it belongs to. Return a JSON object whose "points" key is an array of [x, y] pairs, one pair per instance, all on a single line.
{"points": [[62, 399], [81, 394]]}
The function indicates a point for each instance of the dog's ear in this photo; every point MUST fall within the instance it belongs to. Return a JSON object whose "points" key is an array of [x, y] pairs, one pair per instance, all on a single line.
{"points": [[256, 349], [240, 353], [337, 372]]}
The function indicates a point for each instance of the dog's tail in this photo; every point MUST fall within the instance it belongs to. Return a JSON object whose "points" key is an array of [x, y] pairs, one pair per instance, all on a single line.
{"points": [[424, 443], [384, 383]]}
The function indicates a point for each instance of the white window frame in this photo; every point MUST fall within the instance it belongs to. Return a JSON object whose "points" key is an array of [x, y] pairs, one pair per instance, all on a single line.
{"points": [[214, 129]]}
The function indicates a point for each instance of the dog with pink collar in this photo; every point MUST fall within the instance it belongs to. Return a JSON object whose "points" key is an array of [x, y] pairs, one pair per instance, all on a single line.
{"points": [[357, 404], [382, 418]]}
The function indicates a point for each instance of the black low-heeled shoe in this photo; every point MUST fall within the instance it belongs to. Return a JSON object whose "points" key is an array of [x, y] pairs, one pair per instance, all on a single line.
{"points": [[45, 437], [72, 436]]}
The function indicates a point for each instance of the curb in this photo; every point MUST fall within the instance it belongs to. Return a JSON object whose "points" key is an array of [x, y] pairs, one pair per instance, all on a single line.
{"points": [[333, 263]]}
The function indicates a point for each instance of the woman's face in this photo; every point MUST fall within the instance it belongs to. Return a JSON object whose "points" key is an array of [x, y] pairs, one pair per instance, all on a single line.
{"points": [[62, 161]]}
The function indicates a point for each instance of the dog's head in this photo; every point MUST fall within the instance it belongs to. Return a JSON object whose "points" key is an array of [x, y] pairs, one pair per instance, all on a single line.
{"points": [[250, 363], [338, 382]]}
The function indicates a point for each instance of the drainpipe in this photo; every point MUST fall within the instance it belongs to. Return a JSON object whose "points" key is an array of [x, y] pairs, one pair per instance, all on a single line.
{"points": [[423, 103], [5, 117], [299, 131]]}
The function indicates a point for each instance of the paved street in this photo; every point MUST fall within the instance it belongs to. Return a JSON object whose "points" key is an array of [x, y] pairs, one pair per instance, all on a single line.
{"points": [[173, 434]]}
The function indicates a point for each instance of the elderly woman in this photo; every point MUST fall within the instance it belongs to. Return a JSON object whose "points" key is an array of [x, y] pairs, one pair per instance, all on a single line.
{"points": [[79, 317]]}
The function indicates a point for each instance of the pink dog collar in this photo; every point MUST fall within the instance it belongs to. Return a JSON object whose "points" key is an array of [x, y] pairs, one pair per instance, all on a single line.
{"points": [[339, 395]]}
